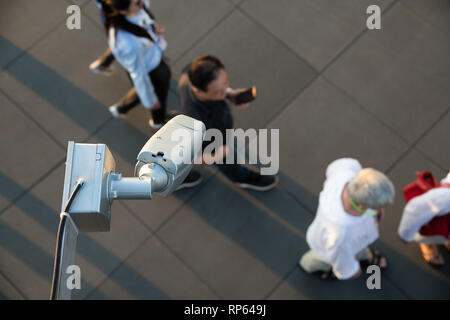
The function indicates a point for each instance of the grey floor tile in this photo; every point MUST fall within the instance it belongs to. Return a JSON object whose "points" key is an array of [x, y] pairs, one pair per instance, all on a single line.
{"points": [[407, 269], [418, 44], [158, 210], [22, 140], [286, 291], [435, 12], [90, 10], [240, 243], [79, 2], [384, 77], [187, 22], [300, 285], [436, 143], [22, 24], [315, 30], [75, 103], [99, 253], [7, 290], [277, 82], [153, 272], [322, 125], [237, 2], [28, 238]]}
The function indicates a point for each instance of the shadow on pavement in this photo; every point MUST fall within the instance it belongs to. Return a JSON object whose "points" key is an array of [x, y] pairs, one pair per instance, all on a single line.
{"points": [[278, 222]]}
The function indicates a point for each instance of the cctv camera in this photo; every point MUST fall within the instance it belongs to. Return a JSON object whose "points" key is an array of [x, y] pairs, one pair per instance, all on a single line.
{"points": [[163, 163], [173, 149]]}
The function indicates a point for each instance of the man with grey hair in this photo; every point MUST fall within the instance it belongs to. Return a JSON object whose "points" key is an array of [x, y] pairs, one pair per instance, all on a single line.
{"points": [[351, 204]]}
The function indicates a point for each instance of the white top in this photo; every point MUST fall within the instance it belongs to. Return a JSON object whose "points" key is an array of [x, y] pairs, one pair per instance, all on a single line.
{"points": [[139, 55], [422, 209], [336, 236]]}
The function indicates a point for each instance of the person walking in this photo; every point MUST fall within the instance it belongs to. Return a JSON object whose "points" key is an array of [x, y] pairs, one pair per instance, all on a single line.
{"points": [[205, 95], [432, 205], [136, 42], [351, 204]]}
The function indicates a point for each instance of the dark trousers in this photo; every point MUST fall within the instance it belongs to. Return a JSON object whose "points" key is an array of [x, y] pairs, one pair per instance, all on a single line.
{"points": [[234, 172], [160, 78]]}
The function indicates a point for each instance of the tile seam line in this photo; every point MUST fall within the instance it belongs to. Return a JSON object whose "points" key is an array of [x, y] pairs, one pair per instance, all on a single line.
{"points": [[415, 142], [48, 173], [424, 18], [33, 185], [274, 37], [427, 157], [122, 262], [83, 12], [393, 284], [153, 233], [357, 38], [134, 213], [33, 120], [318, 73], [397, 287], [277, 285], [157, 230], [30, 47], [189, 267], [367, 111], [299, 57], [308, 211], [22, 294], [387, 126], [202, 37]]}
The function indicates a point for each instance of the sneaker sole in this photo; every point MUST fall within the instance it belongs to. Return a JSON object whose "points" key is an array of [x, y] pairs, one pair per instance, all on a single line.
{"points": [[258, 188], [118, 115], [102, 72]]}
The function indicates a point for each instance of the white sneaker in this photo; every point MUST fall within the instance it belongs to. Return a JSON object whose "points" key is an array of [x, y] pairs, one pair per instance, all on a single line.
{"points": [[154, 125], [96, 67], [115, 112]]}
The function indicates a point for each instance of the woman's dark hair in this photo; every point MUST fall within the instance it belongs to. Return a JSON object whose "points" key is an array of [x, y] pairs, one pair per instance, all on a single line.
{"points": [[204, 70], [117, 20]]}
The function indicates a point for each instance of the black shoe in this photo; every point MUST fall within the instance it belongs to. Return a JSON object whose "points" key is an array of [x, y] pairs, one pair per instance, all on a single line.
{"points": [[98, 67], [155, 125], [258, 182], [193, 179]]}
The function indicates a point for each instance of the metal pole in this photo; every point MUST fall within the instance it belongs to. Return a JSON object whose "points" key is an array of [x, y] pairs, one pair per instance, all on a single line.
{"points": [[68, 250]]}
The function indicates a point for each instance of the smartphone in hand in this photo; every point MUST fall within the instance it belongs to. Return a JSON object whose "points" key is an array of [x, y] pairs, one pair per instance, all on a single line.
{"points": [[246, 96]]}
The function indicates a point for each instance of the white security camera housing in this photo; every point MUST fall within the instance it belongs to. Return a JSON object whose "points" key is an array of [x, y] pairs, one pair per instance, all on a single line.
{"points": [[174, 148], [163, 163]]}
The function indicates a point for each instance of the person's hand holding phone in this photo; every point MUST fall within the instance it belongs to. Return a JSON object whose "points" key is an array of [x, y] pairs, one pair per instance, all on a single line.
{"points": [[242, 97]]}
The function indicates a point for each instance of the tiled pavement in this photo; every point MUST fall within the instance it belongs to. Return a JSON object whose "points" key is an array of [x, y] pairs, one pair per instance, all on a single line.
{"points": [[331, 86]]}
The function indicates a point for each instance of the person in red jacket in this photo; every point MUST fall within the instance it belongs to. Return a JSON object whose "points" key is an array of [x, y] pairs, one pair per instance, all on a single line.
{"points": [[418, 212]]}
